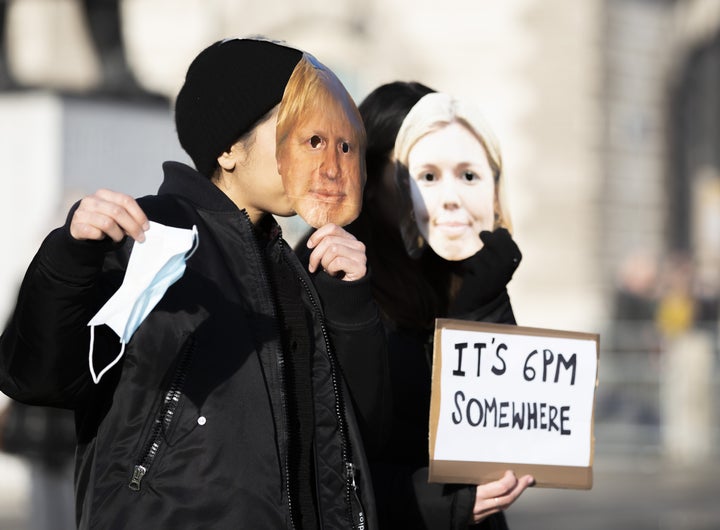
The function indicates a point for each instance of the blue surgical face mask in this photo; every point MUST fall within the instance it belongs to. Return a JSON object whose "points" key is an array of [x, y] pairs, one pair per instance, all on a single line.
{"points": [[153, 267]]}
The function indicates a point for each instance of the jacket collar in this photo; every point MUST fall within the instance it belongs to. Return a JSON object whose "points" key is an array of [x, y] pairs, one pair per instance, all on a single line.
{"points": [[180, 179], [184, 181]]}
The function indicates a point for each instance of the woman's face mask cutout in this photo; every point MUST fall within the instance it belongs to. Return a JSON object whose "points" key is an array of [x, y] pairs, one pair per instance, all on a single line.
{"points": [[321, 160], [452, 190]]}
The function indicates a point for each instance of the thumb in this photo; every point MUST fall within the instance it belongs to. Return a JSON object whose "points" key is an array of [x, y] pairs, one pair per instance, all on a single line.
{"points": [[501, 243]]}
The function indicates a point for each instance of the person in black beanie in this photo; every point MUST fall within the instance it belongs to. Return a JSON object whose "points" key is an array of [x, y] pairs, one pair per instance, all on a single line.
{"points": [[413, 285], [238, 401]]}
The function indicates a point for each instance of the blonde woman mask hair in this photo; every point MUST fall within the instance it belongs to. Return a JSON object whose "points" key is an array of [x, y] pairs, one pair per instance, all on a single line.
{"points": [[320, 146], [449, 170]]}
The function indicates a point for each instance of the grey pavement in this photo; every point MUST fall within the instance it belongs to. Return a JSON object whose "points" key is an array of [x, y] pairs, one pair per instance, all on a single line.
{"points": [[630, 491], [13, 493]]}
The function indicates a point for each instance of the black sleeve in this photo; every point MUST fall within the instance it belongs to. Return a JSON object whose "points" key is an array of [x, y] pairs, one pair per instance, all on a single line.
{"points": [[499, 311], [358, 339], [44, 348], [483, 293]]}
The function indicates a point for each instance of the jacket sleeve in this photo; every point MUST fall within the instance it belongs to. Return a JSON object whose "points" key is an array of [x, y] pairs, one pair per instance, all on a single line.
{"points": [[498, 310], [358, 339], [483, 293], [44, 348]]}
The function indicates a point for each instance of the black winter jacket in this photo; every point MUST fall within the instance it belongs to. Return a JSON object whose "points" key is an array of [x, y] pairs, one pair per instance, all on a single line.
{"points": [[189, 430], [405, 497]]}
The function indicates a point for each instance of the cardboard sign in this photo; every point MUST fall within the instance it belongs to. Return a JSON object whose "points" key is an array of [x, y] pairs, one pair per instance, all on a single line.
{"points": [[511, 397]]}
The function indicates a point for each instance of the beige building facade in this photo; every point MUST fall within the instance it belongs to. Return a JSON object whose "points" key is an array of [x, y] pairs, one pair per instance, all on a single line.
{"points": [[579, 93]]}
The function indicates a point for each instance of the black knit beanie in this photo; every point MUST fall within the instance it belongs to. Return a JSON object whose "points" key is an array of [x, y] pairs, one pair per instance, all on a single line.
{"points": [[229, 86]]}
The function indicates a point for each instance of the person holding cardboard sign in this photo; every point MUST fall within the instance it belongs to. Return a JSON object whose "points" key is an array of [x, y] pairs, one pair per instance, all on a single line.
{"points": [[421, 271]]}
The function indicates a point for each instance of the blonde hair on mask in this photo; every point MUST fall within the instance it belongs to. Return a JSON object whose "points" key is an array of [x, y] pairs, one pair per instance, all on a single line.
{"points": [[312, 87], [435, 111]]}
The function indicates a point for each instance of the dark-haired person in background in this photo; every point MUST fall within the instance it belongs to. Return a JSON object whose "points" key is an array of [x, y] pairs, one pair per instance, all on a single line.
{"points": [[413, 291]]}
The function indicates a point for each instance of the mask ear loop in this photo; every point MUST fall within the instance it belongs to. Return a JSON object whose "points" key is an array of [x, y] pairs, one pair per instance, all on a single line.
{"points": [[196, 243], [96, 378]]}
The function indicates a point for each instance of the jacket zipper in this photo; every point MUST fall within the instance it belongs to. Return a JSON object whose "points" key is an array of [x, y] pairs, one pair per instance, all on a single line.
{"points": [[164, 418], [359, 521], [280, 361], [350, 485]]}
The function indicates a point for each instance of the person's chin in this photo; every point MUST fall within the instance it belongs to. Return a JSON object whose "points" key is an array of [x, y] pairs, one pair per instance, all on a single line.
{"points": [[319, 213], [455, 249]]}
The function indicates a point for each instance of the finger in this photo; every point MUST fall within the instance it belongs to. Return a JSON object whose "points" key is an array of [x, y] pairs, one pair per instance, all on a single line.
{"points": [[88, 223], [499, 487], [314, 240], [337, 256], [329, 246], [493, 496], [324, 231], [127, 202], [335, 246], [485, 236], [110, 214], [485, 506], [346, 268], [505, 501], [126, 212]]}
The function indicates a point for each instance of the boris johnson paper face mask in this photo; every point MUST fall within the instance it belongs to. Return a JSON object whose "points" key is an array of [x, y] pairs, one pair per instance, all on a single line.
{"points": [[320, 151], [153, 267], [452, 190]]}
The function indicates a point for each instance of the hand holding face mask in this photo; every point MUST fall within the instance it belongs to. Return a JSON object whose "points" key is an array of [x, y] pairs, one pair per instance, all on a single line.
{"points": [[153, 267]]}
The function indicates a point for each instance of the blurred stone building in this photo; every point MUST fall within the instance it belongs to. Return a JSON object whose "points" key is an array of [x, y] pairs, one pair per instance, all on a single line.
{"points": [[607, 111]]}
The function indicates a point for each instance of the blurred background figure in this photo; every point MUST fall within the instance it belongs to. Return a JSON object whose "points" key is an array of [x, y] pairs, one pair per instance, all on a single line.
{"points": [[687, 393], [676, 312], [632, 344], [635, 304]]}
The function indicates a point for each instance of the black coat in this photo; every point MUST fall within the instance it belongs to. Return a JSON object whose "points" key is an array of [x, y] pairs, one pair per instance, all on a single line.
{"points": [[189, 430], [400, 473]]}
